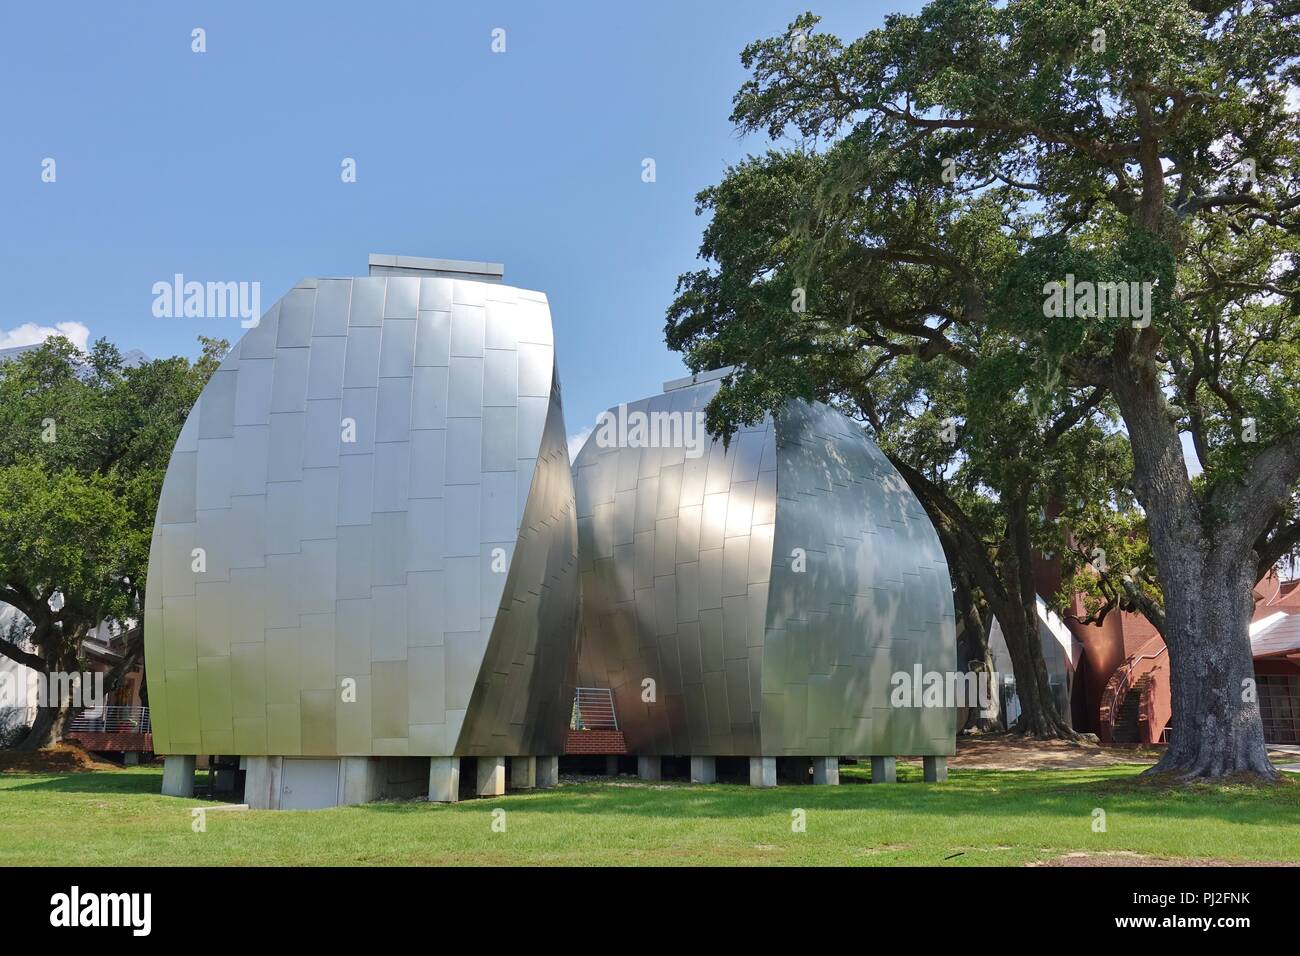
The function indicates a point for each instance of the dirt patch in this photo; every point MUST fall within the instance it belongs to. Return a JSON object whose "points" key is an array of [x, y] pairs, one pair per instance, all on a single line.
{"points": [[1122, 858], [60, 758], [1016, 753]]}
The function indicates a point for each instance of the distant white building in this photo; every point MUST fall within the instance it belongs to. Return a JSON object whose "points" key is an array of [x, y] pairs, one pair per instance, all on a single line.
{"points": [[1061, 652], [130, 359], [18, 682]]}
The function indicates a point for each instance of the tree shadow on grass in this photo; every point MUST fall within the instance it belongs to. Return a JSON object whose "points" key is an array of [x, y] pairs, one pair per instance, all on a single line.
{"points": [[1059, 794], [146, 782], [97, 781]]}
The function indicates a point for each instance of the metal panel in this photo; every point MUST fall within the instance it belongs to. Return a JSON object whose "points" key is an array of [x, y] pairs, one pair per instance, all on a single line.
{"points": [[432, 561], [393, 409], [361, 366], [367, 304], [432, 338], [253, 391], [217, 416], [465, 387], [294, 328], [331, 307], [499, 441], [500, 377], [323, 433], [429, 397], [402, 298], [428, 451], [397, 348], [467, 331]]}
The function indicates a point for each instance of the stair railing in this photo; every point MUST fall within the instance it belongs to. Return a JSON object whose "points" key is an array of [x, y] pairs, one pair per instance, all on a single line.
{"points": [[593, 709]]}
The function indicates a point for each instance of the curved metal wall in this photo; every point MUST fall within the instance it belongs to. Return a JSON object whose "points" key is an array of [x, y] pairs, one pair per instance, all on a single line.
{"points": [[689, 577], [432, 560]]}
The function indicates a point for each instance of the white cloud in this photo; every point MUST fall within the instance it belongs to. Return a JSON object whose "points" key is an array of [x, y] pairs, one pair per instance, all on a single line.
{"points": [[29, 333], [576, 442]]}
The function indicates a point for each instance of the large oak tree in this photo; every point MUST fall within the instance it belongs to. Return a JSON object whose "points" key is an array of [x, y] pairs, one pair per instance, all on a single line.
{"points": [[969, 157], [84, 446]]}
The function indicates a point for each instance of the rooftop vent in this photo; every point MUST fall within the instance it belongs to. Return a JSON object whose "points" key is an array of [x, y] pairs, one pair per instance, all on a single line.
{"points": [[381, 265]]}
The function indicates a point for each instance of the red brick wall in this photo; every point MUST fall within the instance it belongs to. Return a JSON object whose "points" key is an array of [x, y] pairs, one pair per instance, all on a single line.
{"points": [[110, 742], [595, 742]]}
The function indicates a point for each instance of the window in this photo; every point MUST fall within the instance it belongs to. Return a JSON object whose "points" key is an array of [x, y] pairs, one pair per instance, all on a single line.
{"points": [[1279, 705]]}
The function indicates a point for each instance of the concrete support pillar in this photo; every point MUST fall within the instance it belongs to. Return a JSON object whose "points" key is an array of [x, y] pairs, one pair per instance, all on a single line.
{"points": [[648, 768], [704, 770], [491, 776], [884, 770], [826, 770], [178, 776], [359, 780], [262, 782], [611, 766], [548, 772], [523, 773], [444, 779], [936, 769], [762, 771], [131, 758]]}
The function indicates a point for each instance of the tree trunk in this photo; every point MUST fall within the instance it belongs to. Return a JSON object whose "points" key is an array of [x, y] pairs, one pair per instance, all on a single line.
{"points": [[1008, 587], [1039, 715], [973, 653], [48, 727], [1208, 590], [1217, 729], [55, 708]]}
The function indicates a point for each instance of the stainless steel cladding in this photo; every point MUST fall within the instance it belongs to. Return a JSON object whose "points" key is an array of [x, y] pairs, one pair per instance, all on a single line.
{"points": [[772, 594], [366, 540]]}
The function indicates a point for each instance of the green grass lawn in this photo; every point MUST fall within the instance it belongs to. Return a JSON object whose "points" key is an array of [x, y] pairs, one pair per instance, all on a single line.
{"points": [[977, 817]]}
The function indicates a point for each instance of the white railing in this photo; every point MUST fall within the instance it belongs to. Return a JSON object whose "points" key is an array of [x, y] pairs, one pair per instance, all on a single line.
{"points": [[113, 720], [593, 709]]}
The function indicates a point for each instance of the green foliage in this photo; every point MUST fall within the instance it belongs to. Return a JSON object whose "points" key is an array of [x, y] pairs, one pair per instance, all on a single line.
{"points": [[66, 532], [950, 165], [84, 446]]}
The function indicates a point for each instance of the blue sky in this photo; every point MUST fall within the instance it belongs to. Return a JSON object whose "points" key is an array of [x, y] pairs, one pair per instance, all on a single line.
{"points": [[224, 166]]}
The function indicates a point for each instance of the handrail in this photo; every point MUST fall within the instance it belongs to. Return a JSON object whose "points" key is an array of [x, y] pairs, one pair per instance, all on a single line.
{"points": [[1119, 685], [113, 719], [593, 709]]}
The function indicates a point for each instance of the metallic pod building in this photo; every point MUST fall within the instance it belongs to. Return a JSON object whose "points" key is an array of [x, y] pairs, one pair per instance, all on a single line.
{"points": [[771, 594], [364, 562]]}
